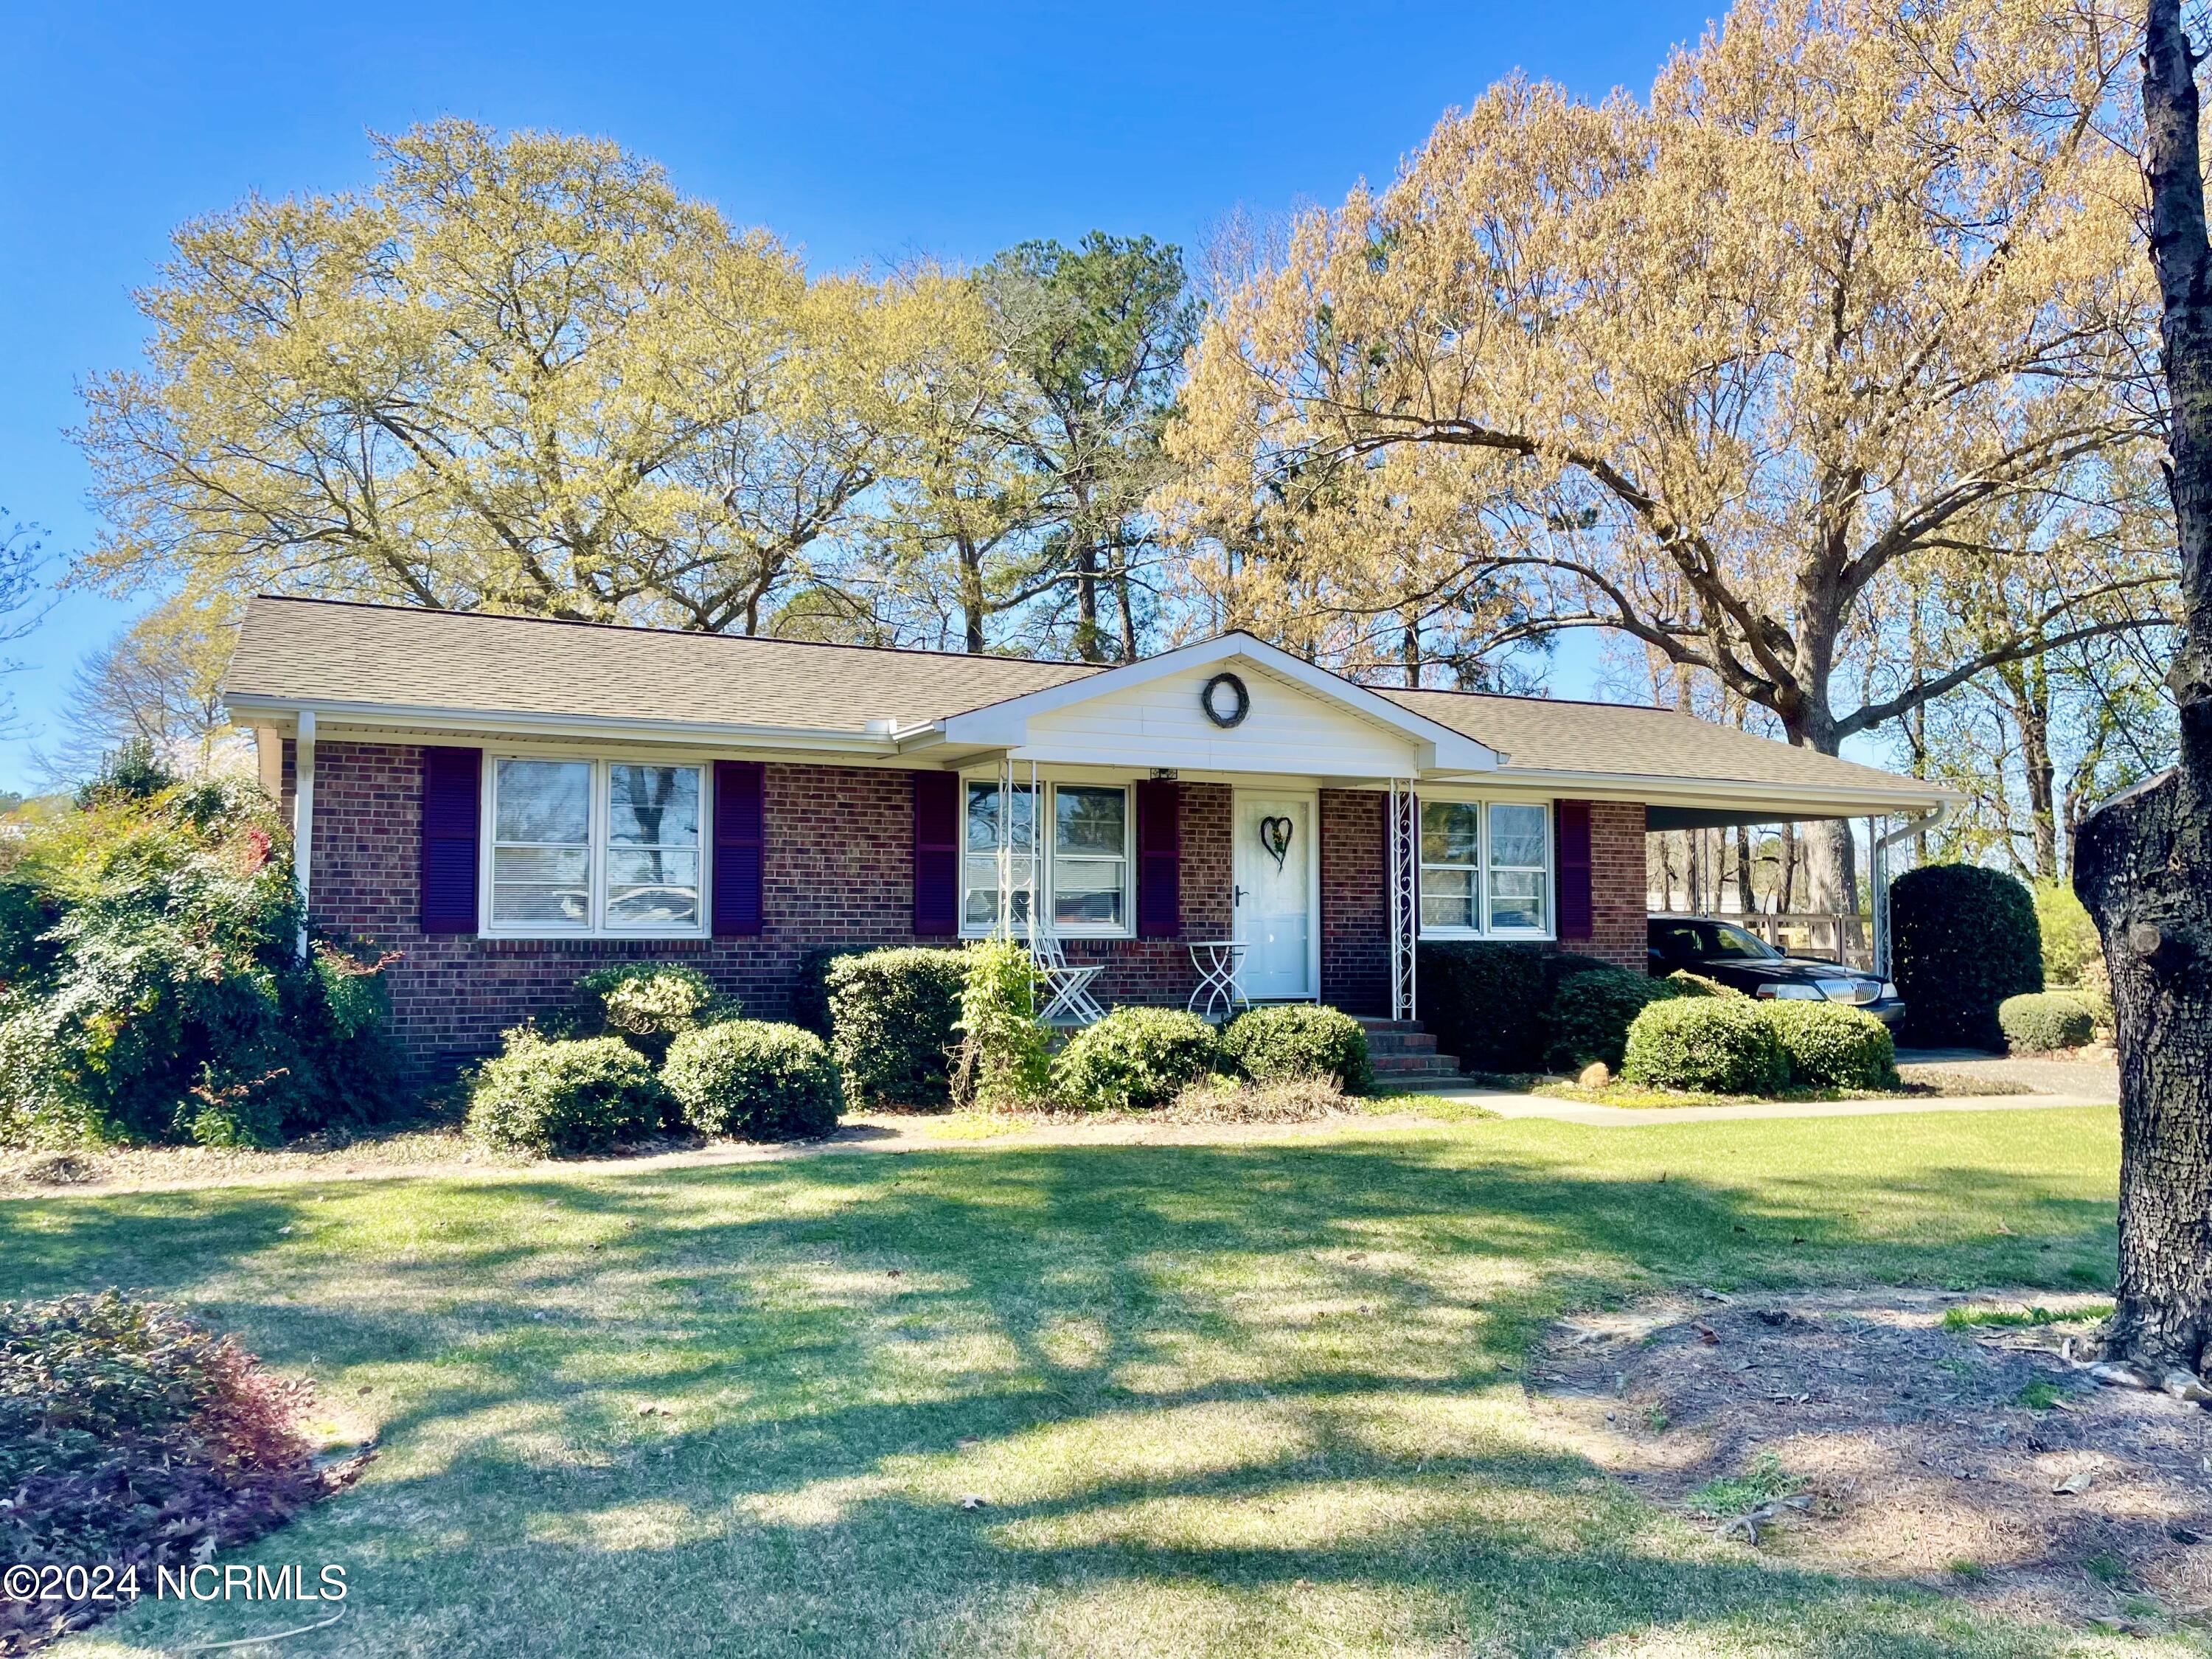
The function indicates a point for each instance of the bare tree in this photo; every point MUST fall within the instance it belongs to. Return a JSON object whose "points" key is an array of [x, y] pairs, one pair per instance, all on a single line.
{"points": [[2143, 861]]}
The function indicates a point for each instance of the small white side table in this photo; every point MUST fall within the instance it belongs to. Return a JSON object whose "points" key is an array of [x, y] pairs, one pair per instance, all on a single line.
{"points": [[1217, 961]]}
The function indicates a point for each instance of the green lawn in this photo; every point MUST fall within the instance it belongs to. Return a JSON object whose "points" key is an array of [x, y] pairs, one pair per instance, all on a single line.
{"points": [[1234, 1399]]}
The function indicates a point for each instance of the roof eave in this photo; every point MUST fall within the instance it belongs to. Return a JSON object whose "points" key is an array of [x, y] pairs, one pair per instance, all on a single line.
{"points": [[248, 708]]}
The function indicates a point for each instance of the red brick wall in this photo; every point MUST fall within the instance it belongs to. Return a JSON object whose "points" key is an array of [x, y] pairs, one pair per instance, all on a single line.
{"points": [[1617, 886], [838, 870], [1355, 903]]}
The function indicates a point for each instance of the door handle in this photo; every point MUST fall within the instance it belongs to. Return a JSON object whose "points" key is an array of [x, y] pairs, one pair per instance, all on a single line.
{"points": [[1237, 895]]}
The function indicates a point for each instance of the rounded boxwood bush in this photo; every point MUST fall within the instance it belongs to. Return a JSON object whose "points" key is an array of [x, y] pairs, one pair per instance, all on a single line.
{"points": [[1134, 1058], [575, 1097], [753, 1080], [1297, 1040], [1713, 1045], [1832, 1046], [648, 1004], [1964, 938], [2042, 1020], [892, 1015], [1591, 1012]]}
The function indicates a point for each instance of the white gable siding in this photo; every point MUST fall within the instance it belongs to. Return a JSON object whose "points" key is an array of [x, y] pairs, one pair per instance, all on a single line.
{"points": [[1161, 723]]}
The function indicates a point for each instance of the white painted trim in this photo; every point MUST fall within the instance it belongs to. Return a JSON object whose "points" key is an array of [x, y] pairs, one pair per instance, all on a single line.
{"points": [[488, 839], [489, 722], [1005, 724], [303, 812]]}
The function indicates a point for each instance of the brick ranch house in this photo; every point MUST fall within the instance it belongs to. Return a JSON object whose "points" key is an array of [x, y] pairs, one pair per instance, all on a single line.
{"points": [[508, 802]]}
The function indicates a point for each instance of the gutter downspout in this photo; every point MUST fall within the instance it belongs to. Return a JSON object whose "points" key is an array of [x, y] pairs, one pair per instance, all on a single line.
{"points": [[303, 812], [1919, 823]]}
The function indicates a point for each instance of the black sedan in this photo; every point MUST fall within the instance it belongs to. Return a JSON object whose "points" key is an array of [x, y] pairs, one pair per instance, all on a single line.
{"points": [[1732, 956]]}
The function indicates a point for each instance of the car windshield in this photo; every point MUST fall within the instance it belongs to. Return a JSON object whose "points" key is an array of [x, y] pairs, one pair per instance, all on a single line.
{"points": [[1709, 941]]}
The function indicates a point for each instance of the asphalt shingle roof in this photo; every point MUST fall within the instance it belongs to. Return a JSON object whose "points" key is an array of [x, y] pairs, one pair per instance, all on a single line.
{"points": [[331, 654]]}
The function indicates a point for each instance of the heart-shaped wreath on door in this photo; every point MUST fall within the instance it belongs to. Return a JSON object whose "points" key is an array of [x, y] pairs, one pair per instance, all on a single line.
{"points": [[1275, 837]]}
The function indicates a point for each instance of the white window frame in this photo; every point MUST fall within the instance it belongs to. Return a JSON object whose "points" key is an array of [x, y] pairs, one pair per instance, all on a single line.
{"points": [[596, 862], [1047, 855], [1482, 930]]}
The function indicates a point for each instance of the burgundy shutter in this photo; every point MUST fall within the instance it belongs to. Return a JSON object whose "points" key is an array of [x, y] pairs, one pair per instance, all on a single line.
{"points": [[738, 839], [1159, 859], [936, 855], [1573, 817], [453, 802]]}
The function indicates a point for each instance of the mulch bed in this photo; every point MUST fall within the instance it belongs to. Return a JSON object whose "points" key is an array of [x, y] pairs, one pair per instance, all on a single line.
{"points": [[1980, 1458]]}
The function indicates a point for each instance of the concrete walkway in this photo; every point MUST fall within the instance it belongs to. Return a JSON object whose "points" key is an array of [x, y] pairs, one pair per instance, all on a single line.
{"points": [[1508, 1104]]}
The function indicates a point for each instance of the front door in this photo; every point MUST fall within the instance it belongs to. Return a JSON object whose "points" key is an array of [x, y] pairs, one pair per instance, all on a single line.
{"points": [[1275, 875]]}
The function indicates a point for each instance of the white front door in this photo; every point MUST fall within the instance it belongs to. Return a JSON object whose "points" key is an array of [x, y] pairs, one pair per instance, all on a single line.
{"points": [[1275, 875]]}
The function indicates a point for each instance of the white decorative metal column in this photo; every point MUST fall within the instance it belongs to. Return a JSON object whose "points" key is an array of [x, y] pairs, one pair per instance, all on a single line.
{"points": [[1404, 878], [1011, 860], [303, 814]]}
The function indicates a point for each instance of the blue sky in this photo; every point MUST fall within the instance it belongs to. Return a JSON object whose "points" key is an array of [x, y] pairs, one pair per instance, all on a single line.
{"points": [[863, 132]]}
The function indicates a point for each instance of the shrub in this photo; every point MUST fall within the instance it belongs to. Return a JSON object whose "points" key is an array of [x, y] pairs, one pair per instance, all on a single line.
{"points": [[1295, 1042], [648, 1004], [549, 1099], [891, 1019], [1590, 1016], [133, 1435], [1964, 938], [154, 988], [754, 1081], [2042, 1020], [810, 985], [1485, 1002], [1134, 1058], [1830, 1046], [2069, 936], [1719, 1045], [1688, 984], [1005, 1054]]}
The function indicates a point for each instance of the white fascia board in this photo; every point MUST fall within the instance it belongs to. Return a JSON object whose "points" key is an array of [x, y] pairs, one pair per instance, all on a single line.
{"points": [[1911, 794], [249, 709], [1005, 724]]}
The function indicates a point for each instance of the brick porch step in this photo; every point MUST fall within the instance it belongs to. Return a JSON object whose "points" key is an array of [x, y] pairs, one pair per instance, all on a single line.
{"points": [[1403, 1055]]}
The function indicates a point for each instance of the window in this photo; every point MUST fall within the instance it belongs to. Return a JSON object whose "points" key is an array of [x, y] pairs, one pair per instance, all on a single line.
{"points": [[1486, 867], [980, 908], [584, 847], [1085, 858], [1090, 858], [1451, 865], [1520, 878]]}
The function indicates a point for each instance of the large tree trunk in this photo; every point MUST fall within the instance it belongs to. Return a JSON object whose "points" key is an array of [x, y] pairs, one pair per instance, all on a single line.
{"points": [[2142, 862]]}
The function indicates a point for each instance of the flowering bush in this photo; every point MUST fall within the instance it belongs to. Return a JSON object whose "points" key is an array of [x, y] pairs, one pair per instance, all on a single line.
{"points": [[150, 984]]}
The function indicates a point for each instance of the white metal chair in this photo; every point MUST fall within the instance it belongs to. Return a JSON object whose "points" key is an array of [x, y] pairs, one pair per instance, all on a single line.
{"points": [[1068, 986]]}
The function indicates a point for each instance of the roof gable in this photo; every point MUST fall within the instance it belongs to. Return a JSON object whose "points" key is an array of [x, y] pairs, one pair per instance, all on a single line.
{"points": [[1299, 718]]}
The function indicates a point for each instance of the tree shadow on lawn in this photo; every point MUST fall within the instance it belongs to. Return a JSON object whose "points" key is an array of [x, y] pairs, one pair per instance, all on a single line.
{"points": [[1217, 1399]]}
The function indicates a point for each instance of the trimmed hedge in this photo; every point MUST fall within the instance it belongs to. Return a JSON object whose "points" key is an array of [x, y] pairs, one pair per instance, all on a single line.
{"points": [[1485, 1003], [2042, 1020], [810, 985], [649, 1003], [1298, 1040], [1964, 938], [553, 1098], [753, 1080], [1590, 1015], [1832, 1046], [892, 1015], [1716, 1045], [1134, 1058]]}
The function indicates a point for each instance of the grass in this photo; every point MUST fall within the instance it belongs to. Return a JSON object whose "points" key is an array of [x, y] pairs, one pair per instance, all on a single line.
{"points": [[1733, 1494], [1245, 1398], [1961, 1319], [2041, 1395]]}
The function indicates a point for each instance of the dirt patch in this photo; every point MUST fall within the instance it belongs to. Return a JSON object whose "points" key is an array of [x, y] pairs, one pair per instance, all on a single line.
{"points": [[1861, 1433]]}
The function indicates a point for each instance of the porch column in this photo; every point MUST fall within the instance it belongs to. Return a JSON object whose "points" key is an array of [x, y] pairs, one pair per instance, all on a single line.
{"points": [[1403, 816]]}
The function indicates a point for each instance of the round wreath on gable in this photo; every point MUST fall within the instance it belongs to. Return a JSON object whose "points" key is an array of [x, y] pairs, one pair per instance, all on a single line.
{"points": [[1225, 700]]}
